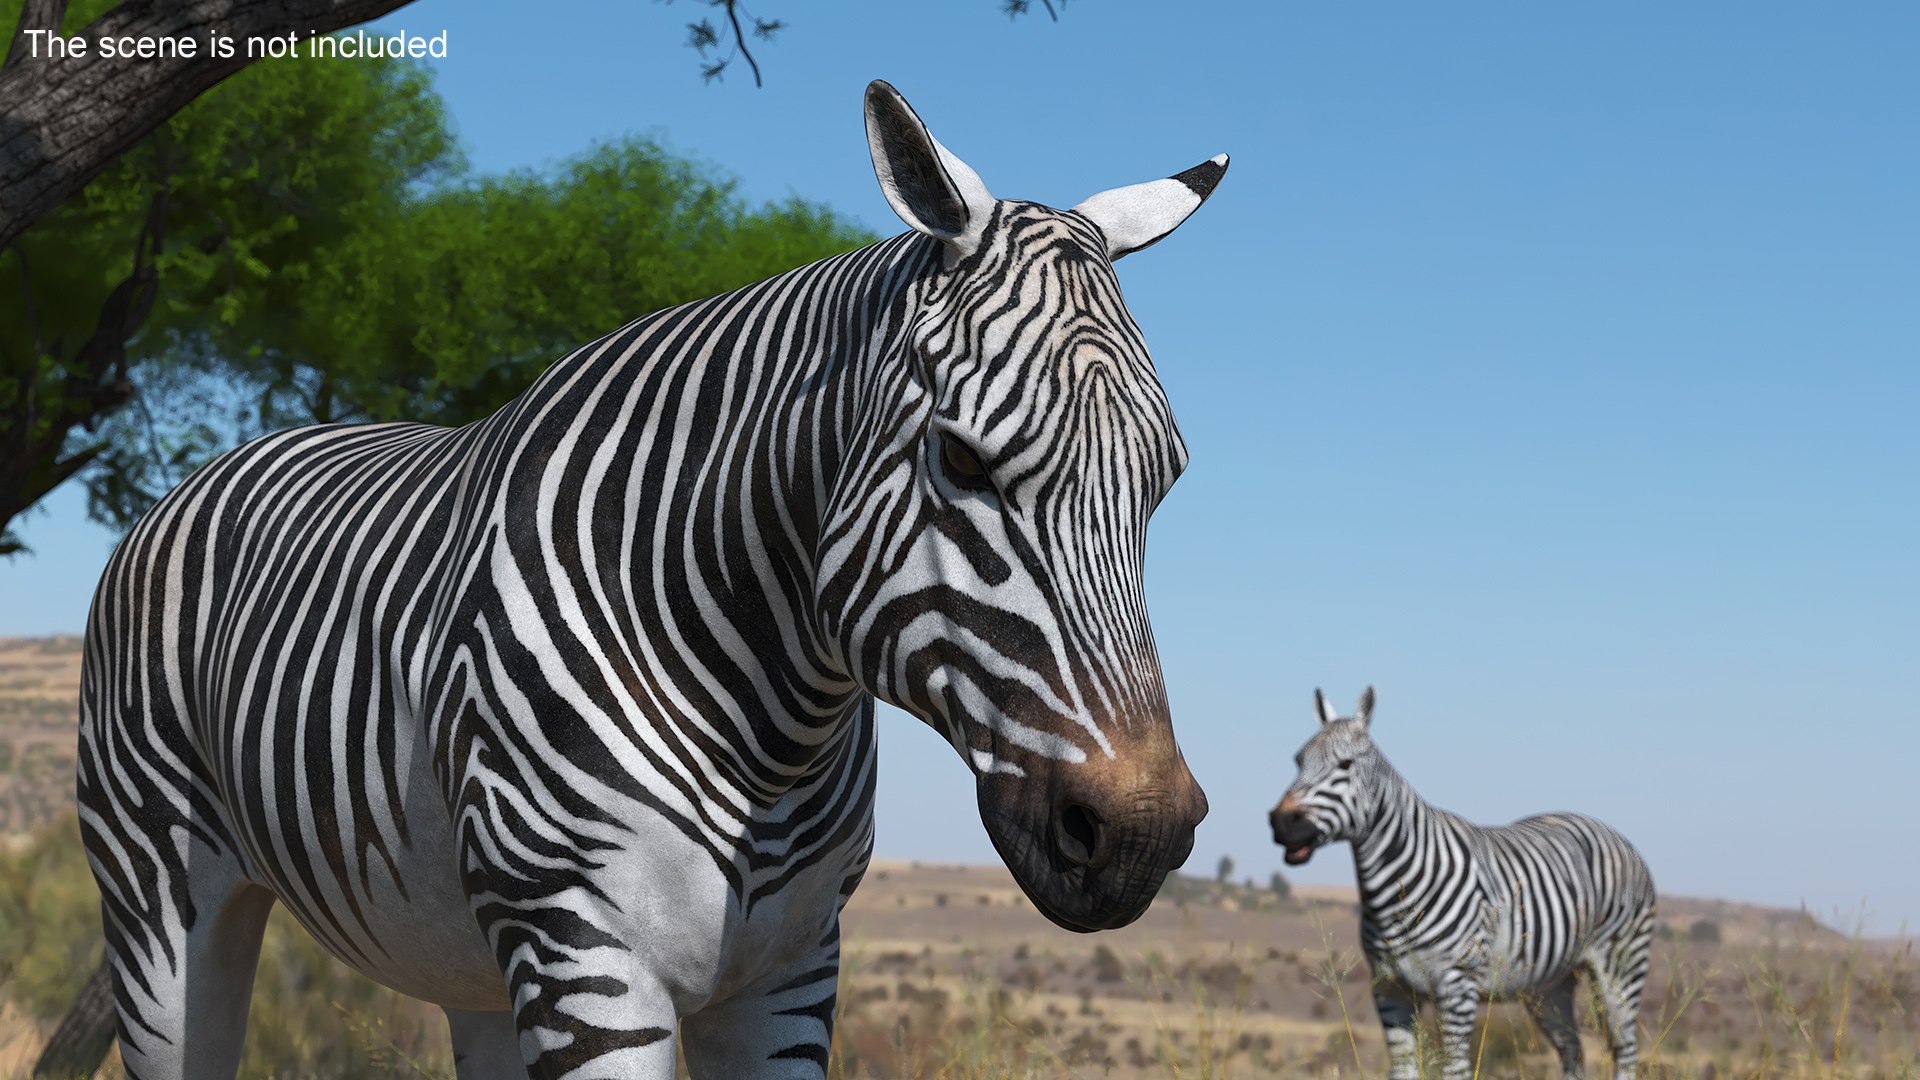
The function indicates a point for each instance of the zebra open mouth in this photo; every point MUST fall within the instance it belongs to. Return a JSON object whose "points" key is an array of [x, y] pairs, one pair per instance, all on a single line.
{"points": [[1296, 834]]}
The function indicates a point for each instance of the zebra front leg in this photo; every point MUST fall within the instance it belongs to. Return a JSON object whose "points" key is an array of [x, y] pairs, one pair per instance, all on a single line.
{"points": [[585, 1002], [1457, 1007], [780, 1028], [1399, 1013]]}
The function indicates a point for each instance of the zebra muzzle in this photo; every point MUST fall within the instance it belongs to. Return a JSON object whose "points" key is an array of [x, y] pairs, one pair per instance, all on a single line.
{"points": [[1294, 832], [1079, 836], [1091, 856]]}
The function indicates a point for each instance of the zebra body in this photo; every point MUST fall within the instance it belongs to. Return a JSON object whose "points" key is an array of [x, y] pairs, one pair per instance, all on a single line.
{"points": [[1456, 913], [565, 720]]}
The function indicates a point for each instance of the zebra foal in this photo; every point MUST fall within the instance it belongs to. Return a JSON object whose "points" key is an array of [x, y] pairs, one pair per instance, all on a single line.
{"points": [[1457, 913], [564, 720]]}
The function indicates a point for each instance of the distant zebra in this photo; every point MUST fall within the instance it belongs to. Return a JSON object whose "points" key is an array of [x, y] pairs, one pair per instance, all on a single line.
{"points": [[564, 720], [1456, 913]]}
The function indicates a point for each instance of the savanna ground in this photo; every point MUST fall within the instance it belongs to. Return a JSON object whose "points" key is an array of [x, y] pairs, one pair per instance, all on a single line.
{"points": [[949, 971]]}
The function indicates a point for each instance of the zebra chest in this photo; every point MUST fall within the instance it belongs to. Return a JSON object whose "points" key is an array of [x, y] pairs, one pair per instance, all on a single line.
{"points": [[1425, 971]]}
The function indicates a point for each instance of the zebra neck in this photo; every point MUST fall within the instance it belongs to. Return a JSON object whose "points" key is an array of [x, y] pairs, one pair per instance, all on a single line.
{"points": [[739, 421], [1393, 846]]}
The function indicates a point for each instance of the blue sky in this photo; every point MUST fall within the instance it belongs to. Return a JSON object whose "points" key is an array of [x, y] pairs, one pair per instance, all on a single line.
{"points": [[1550, 367]]}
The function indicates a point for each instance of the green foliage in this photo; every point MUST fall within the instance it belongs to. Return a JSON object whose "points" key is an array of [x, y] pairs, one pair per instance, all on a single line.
{"points": [[321, 255], [313, 251], [225, 207], [50, 939], [279, 175], [450, 307], [442, 304], [50, 382]]}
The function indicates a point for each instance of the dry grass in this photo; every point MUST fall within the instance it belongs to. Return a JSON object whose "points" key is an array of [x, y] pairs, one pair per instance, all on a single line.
{"points": [[949, 973], [1008, 996], [1790, 1008], [39, 720]]}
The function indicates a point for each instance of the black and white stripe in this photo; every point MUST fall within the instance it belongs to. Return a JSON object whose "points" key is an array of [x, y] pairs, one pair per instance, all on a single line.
{"points": [[1455, 913], [565, 720]]}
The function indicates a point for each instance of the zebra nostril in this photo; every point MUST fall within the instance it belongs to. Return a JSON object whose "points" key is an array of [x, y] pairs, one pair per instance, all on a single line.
{"points": [[1288, 824], [1079, 834]]}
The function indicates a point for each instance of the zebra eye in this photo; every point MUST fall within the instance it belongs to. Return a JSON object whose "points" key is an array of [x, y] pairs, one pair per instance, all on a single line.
{"points": [[1346, 763], [962, 465]]}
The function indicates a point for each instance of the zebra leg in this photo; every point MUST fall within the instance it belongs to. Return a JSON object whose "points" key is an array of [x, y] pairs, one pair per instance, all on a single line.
{"points": [[780, 1028], [1619, 974], [182, 916], [1457, 1007], [1552, 1009], [584, 1003], [486, 1045], [183, 998], [1399, 1013]]}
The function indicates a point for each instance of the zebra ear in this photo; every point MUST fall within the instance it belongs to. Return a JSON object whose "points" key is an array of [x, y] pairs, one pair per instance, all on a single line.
{"points": [[1142, 215], [933, 192], [1364, 713], [1327, 715]]}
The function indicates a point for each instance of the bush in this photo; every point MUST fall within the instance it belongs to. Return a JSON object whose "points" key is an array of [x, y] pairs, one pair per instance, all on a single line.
{"points": [[50, 940]]}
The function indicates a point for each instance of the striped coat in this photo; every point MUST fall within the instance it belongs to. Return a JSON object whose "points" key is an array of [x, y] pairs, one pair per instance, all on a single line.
{"points": [[564, 720], [1455, 913]]}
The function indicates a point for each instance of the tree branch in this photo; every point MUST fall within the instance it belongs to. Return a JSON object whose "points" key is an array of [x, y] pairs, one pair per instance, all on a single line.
{"points": [[740, 41], [96, 383], [65, 120], [33, 316], [34, 15]]}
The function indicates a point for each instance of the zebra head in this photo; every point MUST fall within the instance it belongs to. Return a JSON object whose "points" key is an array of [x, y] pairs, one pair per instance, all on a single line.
{"points": [[998, 533], [1329, 799]]}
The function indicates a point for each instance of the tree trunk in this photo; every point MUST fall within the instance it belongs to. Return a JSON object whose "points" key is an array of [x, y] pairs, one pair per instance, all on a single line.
{"points": [[83, 1038], [64, 120]]}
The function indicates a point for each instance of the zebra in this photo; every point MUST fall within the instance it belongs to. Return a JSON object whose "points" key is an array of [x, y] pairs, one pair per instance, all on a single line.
{"points": [[1454, 912], [565, 720]]}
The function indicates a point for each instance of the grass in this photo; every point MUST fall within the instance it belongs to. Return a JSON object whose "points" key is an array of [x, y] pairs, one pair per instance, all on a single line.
{"points": [[1802, 1003], [311, 1016]]}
